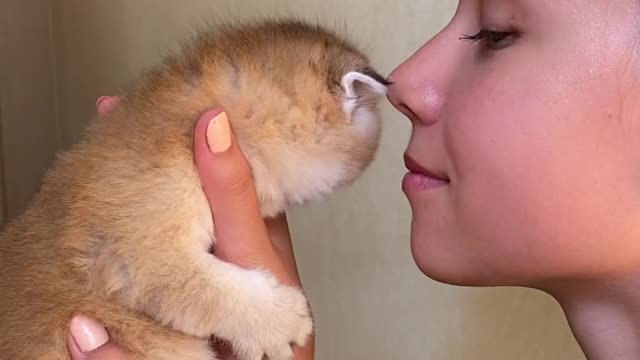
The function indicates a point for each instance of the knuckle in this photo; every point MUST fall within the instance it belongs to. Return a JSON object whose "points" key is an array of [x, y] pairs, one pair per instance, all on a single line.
{"points": [[239, 184]]}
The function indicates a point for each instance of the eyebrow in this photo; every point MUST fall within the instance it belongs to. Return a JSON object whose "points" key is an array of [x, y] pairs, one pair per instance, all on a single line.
{"points": [[514, 9], [529, 7], [504, 5]]}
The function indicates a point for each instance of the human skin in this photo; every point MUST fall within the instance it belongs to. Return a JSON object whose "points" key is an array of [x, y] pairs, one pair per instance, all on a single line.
{"points": [[534, 131]]}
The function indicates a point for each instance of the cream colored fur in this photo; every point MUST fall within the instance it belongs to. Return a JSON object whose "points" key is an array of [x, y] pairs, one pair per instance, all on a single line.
{"points": [[121, 231]]}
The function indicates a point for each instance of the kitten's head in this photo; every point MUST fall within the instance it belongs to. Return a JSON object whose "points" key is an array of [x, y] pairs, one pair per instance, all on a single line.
{"points": [[302, 103]]}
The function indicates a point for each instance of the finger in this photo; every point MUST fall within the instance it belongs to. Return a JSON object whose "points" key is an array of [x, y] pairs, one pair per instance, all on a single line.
{"points": [[227, 182], [89, 340], [280, 236], [106, 104]]}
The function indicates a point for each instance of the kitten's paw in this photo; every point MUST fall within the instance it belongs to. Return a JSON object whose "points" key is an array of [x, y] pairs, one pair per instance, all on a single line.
{"points": [[281, 318]]}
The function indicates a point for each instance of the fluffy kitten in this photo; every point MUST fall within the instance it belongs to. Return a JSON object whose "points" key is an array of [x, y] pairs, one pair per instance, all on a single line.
{"points": [[121, 230]]}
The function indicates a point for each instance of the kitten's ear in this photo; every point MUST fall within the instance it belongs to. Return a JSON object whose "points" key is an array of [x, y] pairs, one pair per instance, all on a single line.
{"points": [[362, 89], [358, 84]]}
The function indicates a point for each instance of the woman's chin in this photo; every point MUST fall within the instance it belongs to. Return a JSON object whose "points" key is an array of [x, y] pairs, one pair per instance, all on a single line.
{"points": [[434, 263], [442, 264]]}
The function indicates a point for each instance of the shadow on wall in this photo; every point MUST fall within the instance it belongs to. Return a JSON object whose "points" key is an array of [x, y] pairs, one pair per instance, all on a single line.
{"points": [[27, 93], [508, 324], [102, 46], [91, 42]]}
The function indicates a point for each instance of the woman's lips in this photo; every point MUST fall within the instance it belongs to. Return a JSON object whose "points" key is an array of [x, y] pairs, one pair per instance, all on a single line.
{"points": [[419, 178], [420, 182]]}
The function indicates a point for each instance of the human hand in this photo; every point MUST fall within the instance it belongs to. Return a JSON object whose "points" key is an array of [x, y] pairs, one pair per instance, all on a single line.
{"points": [[88, 340], [242, 236]]}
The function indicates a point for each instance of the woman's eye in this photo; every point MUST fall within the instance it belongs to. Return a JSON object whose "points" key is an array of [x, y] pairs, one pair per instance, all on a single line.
{"points": [[494, 40]]}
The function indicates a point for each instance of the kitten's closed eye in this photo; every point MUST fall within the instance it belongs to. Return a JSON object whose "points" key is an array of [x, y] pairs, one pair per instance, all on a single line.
{"points": [[376, 76]]}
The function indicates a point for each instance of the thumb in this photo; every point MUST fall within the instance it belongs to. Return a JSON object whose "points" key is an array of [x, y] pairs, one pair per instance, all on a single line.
{"points": [[228, 184], [89, 340]]}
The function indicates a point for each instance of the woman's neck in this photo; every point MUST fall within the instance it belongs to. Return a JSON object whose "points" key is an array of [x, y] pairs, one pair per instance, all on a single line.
{"points": [[604, 315]]}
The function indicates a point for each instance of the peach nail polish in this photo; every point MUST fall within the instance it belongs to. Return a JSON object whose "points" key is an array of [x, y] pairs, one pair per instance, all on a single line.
{"points": [[219, 134]]}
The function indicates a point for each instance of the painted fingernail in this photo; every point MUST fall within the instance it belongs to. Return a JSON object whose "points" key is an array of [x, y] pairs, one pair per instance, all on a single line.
{"points": [[106, 104], [219, 134], [87, 333], [101, 99]]}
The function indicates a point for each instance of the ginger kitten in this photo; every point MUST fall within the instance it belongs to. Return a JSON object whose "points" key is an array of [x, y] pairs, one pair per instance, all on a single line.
{"points": [[121, 229]]}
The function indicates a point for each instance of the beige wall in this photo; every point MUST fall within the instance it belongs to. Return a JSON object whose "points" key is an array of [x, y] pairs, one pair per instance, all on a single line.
{"points": [[27, 97], [369, 299]]}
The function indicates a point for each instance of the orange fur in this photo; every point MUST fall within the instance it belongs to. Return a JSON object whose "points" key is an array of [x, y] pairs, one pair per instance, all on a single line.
{"points": [[120, 229]]}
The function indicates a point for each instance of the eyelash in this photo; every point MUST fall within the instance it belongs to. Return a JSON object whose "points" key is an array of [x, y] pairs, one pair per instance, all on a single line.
{"points": [[492, 39]]}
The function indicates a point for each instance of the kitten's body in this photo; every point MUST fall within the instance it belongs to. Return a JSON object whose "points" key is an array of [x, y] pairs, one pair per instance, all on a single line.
{"points": [[121, 230]]}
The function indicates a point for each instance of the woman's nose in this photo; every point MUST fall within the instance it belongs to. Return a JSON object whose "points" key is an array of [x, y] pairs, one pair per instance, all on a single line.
{"points": [[420, 84]]}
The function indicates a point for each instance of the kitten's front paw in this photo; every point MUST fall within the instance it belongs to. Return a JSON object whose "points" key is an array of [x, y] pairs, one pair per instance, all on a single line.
{"points": [[280, 318]]}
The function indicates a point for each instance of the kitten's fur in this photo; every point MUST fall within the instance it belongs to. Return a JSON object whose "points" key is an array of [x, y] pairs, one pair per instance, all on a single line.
{"points": [[121, 230]]}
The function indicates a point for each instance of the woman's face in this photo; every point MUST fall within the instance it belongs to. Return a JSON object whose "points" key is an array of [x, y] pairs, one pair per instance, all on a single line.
{"points": [[536, 130]]}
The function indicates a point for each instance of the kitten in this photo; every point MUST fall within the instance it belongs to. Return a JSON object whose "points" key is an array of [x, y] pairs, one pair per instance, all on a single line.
{"points": [[121, 230]]}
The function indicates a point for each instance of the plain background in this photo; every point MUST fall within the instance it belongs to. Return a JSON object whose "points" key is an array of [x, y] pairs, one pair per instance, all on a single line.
{"points": [[370, 301]]}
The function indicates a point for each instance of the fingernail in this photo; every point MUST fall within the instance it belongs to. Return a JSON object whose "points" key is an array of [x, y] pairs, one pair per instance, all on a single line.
{"points": [[219, 134], [88, 334], [106, 104]]}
